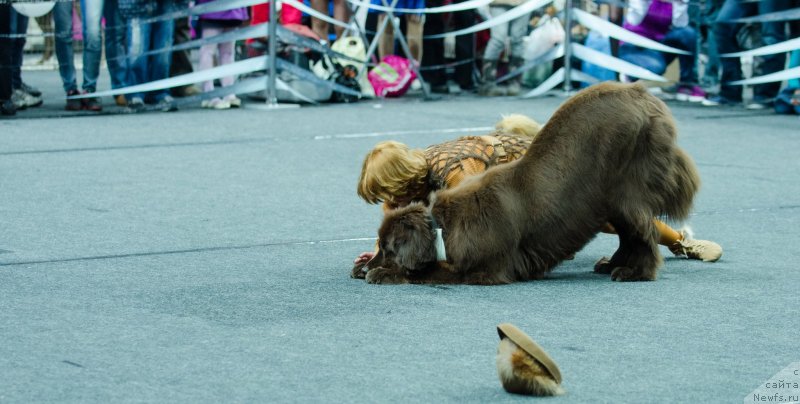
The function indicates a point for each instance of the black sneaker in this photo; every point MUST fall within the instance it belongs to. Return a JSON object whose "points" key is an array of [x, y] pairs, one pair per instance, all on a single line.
{"points": [[7, 108], [92, 104], [73, 104]]}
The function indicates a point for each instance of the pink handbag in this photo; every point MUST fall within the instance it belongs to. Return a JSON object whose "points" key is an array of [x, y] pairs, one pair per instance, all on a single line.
{"points": [[391, 77]]}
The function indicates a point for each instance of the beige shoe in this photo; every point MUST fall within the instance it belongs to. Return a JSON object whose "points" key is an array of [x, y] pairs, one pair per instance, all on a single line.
{"points": [[707, 251]]}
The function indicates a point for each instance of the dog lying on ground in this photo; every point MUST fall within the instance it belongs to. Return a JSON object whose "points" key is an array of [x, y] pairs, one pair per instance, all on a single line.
{"points": [[608, 155]]}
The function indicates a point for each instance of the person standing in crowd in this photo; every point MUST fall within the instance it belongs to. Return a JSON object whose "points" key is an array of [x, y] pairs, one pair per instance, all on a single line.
{"points": [[23, 95], [413, 23], [6, 44], [433, 49], [181, 64], [62, 19], [340, 13], [93, 12], [144, 37], [513, 31], [708, 14], [788, 100], [725, 35], [666, 22], [212, 24]]}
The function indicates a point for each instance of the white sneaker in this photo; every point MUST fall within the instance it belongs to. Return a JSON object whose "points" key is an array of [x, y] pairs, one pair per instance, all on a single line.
{"points": [[216, 103], [22, 99], [704, 250], [233, 100]]}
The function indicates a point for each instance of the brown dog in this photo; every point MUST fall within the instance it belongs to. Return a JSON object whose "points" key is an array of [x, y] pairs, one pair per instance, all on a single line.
{"points": [[608, 155]]}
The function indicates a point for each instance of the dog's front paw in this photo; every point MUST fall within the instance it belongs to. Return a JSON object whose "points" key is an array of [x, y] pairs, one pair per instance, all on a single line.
{"points": [[603, 266], [626, 274], [359, 271], [386, 276]]}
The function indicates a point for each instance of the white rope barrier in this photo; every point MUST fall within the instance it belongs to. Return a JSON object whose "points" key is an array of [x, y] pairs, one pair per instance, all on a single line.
{"points": [[787, 74], [509, 15], [785, 46], [232, 69], [615, 31], [611, 63]]}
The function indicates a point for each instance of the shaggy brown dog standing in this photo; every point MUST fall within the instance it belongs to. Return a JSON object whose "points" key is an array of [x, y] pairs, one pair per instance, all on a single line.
{"points": [[607, 155]]}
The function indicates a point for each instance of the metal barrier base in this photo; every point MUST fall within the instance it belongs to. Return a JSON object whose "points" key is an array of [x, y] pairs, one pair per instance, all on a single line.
{"points": [[269, 107]]}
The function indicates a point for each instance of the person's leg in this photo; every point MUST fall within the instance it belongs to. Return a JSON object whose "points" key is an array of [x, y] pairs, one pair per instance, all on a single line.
{"points": [[207, 55], [226, 56], [19, 25], [115, 44], [138, 38], [771, 33], [62, 16], [6, 106], [340, 13], [180, 59], [725, 37], [465, 48], [320, 27], [433, 49], [386, 41], [491, 56], [159, 63], [517, 30], [685, 39], [92, 11], [642, 57], [414, 28], [681, 243]]}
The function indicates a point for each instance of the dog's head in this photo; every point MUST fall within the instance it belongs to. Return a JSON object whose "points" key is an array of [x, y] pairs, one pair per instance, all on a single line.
{"points": [[406, 239]]}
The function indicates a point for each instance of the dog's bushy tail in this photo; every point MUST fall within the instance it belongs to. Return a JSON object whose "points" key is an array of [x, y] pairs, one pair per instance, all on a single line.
{"points": [[681, 189], [676, 180], [660, 179]]}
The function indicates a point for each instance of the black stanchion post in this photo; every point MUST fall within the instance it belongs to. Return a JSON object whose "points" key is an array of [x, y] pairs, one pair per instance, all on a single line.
{"points": [[568, 47]]}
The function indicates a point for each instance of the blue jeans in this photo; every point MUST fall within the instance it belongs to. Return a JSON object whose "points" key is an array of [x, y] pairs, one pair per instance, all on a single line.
{"points": [[93, 11], [681, 38], [783, 102], [146, 37], [62, 17], [5, 52], [19, 25], [771, 33]]}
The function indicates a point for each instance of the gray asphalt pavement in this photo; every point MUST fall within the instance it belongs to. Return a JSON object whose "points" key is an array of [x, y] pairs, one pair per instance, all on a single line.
{"points": [[204, 256]]}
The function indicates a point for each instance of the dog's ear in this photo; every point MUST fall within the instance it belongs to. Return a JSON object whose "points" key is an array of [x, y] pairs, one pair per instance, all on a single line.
{"points": [[408, 236]]}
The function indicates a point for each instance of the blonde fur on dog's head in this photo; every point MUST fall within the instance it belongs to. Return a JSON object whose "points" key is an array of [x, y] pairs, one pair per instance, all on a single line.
{"points": [[518, 124]]}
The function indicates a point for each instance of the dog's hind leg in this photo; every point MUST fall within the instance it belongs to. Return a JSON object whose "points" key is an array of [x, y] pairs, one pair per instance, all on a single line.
{"points": [[637, 258]]}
